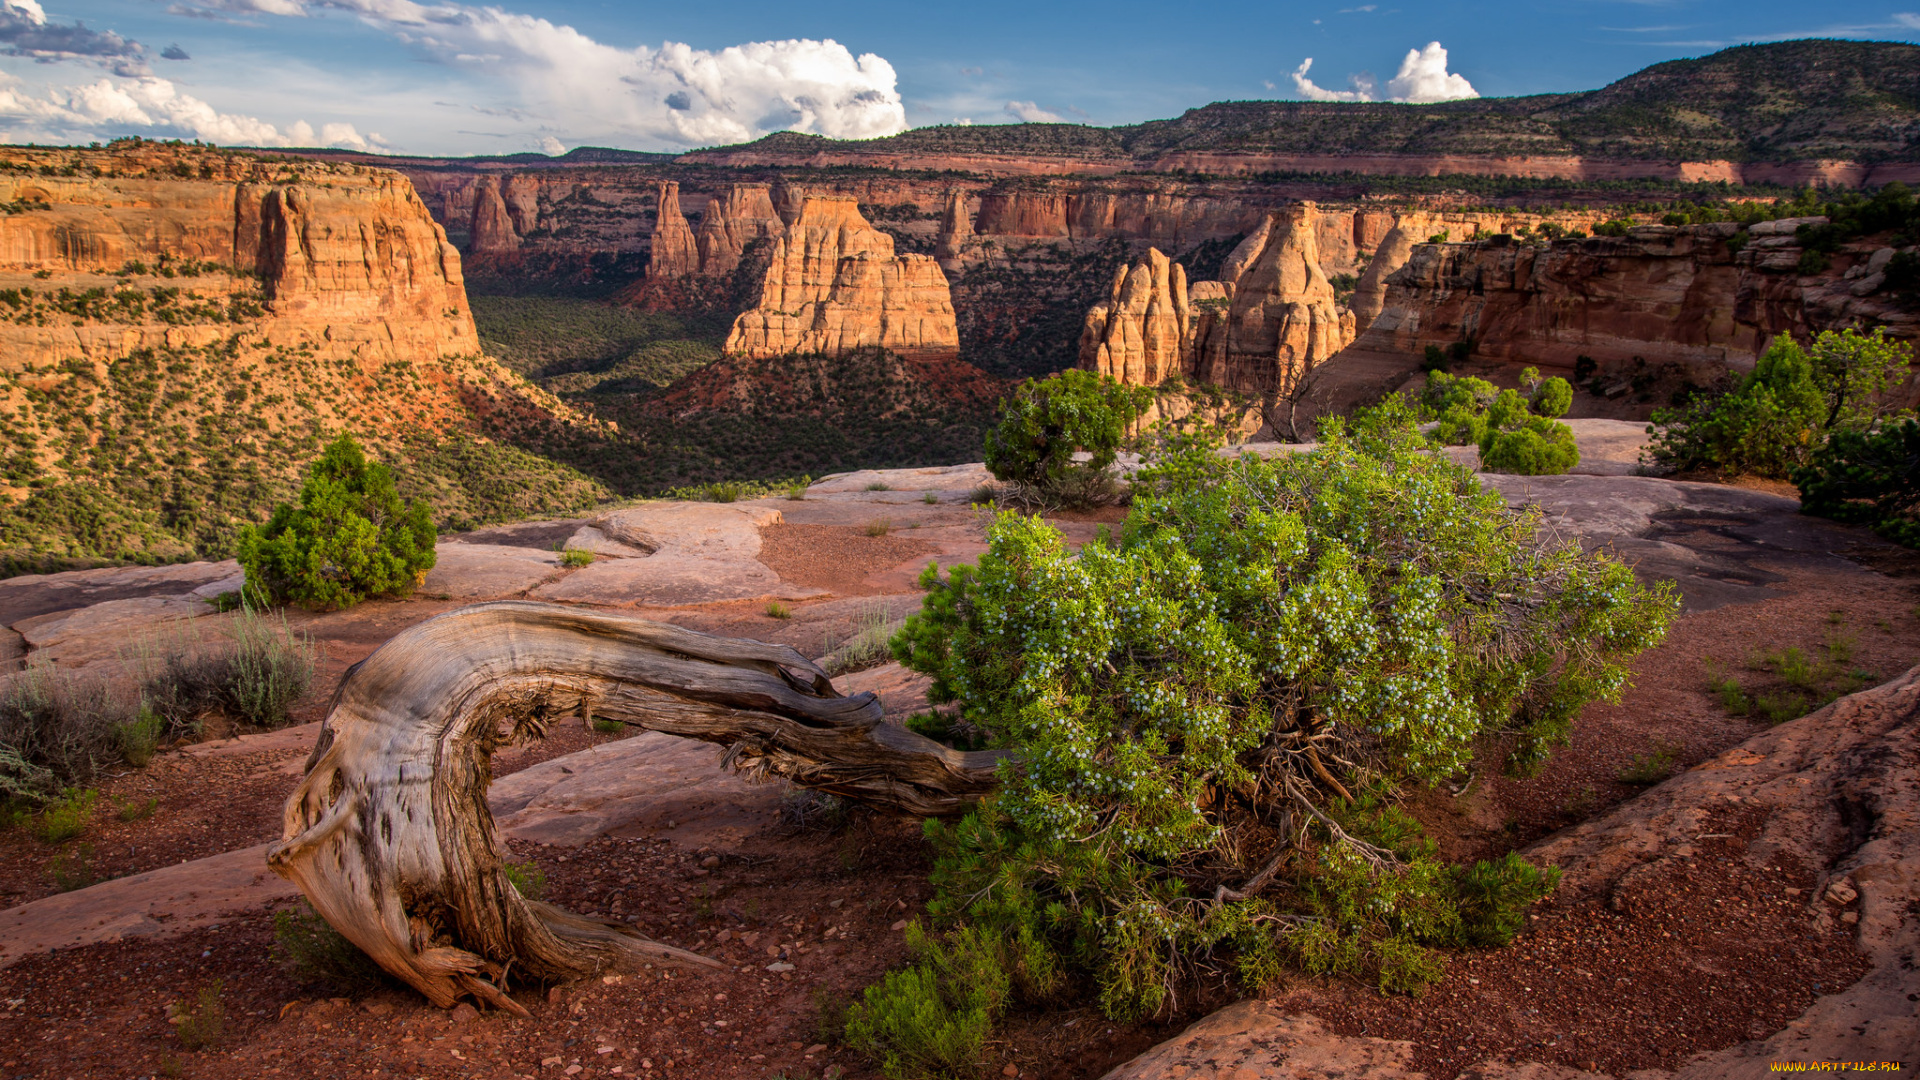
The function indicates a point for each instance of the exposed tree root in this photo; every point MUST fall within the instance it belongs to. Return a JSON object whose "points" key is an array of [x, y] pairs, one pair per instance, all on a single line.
{"points": [[389, 835]]}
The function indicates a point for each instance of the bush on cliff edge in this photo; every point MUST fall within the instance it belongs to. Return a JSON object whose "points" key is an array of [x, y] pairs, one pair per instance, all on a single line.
{"points": [[350, 537], [1047, 421]]}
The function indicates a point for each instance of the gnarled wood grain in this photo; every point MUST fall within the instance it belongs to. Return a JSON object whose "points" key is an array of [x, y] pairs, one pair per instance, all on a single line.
{"points": [[389, 835]]}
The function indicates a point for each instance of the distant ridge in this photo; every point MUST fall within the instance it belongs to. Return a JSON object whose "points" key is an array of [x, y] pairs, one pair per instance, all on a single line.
{"points": [[1795, 104]]}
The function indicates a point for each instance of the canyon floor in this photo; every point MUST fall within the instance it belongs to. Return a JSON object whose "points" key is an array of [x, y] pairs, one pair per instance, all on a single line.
{"points": [[1708, 907]]}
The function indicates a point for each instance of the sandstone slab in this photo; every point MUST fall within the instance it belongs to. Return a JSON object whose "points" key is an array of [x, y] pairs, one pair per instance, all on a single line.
{"points": [[170, 900], [28, 595], [485, 571], [945, 480], [701, 553], [651, 782], [901, 692], [104, 631], [1254, 1041], [592, 538]]}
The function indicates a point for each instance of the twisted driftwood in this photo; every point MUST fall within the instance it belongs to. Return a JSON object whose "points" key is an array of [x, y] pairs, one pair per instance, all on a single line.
{"points": [[389, 835]]}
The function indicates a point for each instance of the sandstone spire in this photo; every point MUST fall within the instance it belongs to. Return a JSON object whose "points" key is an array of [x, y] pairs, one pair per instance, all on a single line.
{"points": [[492, 226], [1258, 331], [835, 285], [675, 254], [956, 228], [1282, 322], [1140, 333]]}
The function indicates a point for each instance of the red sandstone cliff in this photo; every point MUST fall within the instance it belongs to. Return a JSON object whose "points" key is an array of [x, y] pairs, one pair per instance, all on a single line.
{"points": [[834, 285], [738, 216], [1679, 299]]}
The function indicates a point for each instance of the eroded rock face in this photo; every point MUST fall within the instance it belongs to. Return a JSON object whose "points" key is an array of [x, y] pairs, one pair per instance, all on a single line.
{"points": [[1142, 333], [1269, 321], [347, 258], [1679, 296], [834, 285], [1282, 321], [493, 227], [738, 216]]}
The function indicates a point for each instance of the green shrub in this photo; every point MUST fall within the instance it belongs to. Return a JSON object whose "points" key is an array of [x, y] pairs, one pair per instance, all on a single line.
{"points": [[349, 538], [1780, 708], [1444, 392], [1651, 767], [305, 944], [1515, 434], [66, 815], [1460, 426], [1870, 476], [1365, 609], [725, 491], [931, 1019], [778, 610], [1047, 421], [879, 485], [1552, 398], [576, 557], [202, 1020], [1539, 447], [1770, 421], [73, 869]]}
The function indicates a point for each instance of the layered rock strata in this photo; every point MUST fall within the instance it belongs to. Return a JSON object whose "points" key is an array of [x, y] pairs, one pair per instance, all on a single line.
{"points": [[834, 285], [178, 302], [345, 261], [1701, 300]]}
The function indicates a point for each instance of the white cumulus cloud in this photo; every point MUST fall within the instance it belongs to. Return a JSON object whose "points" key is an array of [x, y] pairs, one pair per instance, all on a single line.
{"points": [[673, 95], [1423, 77], [1030, 113], [150, 106]]}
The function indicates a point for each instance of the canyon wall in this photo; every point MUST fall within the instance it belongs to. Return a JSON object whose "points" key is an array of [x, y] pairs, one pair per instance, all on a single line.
{"points": [[834, 285], [343, 261], [1666, 304]]}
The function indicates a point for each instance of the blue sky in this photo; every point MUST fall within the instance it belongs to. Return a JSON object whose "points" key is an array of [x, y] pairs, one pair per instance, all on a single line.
{"points": [[453, 78]]}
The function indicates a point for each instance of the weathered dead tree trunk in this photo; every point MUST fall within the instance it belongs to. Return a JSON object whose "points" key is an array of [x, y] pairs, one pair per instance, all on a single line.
{"points": [[389, 835]]}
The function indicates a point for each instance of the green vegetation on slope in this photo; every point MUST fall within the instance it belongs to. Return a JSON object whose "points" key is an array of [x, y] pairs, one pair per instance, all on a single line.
{"points": [[168, 453], [573, 346]]}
